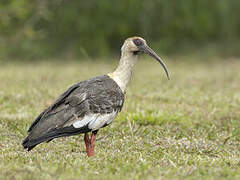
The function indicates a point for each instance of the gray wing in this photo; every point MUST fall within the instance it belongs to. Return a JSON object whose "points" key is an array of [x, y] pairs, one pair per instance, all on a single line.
{"points": [[54, 106], [78, 110]]}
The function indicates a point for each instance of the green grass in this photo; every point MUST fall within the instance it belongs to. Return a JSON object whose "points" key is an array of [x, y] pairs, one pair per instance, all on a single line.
{"points": [[186, 128]]}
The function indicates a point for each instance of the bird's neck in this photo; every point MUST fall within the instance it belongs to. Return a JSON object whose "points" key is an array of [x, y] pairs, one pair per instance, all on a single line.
{"points": [[123, 74]]}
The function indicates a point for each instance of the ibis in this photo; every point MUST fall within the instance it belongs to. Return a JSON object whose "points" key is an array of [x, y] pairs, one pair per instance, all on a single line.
{"points": [[92, 104]]}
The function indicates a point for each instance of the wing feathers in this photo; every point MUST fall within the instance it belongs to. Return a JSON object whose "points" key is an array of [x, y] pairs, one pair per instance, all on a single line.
{"points": [[57, 102], [84, 107]]}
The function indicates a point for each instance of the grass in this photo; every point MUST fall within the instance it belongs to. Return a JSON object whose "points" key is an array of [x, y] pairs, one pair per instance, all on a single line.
{"points": [[186, 128]]}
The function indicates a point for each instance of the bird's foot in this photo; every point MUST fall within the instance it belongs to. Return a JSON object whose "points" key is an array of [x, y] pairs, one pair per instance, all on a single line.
{"points": [[90, 144]]}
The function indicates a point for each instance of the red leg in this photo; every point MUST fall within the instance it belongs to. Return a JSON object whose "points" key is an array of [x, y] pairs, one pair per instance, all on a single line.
{"points": [[90, 143], [87, 141]]}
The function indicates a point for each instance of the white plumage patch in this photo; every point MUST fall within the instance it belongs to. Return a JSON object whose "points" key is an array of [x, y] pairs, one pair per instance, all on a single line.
{"points": [[96, 121], [85, 120]]}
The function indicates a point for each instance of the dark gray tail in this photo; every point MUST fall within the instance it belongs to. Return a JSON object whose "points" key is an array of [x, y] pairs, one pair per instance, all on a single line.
{"points": [[29, 143]]}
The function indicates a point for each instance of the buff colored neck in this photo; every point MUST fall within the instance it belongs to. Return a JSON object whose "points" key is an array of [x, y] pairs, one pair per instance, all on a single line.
{"points": [[124, 72]]}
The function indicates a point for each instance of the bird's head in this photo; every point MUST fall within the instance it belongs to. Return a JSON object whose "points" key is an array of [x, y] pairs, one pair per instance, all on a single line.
{"points": [[137, 45]]}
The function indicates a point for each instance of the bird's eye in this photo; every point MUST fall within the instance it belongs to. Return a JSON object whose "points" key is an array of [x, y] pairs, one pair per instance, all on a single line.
{"points": [[137, 42]]}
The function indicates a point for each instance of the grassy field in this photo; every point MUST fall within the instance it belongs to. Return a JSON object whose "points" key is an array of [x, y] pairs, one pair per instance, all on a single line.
{"points": [[186, 128]]}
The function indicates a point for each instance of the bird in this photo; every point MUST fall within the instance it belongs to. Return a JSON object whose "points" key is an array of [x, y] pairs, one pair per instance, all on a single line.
{"points": [[92, 104]]}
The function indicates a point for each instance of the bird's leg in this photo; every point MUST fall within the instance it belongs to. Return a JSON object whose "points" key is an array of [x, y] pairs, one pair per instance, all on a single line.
{"points": [[90, 143], [87, 141]]}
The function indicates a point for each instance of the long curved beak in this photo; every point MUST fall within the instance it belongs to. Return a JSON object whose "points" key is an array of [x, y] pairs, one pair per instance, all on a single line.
{"points": [[146, 49]]}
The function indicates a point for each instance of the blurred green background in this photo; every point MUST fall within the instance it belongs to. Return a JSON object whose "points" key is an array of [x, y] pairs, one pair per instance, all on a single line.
{"points": [[186, 128], [37, 29]]}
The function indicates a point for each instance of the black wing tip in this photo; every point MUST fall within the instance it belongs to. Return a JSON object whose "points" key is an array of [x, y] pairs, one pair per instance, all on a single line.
{"points": [[29, 143], [26, 144]]}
